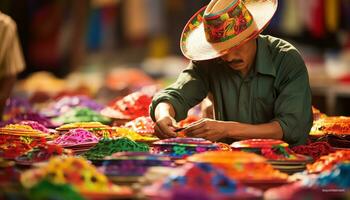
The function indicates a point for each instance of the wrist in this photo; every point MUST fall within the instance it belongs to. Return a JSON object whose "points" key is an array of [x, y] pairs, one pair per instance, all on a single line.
{"points": [[234, 129]]}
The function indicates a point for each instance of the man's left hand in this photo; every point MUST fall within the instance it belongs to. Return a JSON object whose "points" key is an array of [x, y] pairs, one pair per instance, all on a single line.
{"points": [[209, 129]]}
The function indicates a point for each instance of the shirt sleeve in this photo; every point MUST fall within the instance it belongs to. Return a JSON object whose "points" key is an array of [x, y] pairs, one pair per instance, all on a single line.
{"points": [[190, 88], [11, 57], [293, 104]]}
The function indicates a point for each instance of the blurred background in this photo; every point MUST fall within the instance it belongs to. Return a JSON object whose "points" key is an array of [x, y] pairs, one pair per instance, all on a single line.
{"points": [[100, 47]]}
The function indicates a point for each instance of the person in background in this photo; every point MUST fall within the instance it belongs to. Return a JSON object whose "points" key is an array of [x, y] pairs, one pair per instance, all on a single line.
{"points": [[11, 58], [259, 84]]}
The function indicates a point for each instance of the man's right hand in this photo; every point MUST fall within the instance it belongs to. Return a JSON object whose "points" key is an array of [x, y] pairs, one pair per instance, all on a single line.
{"points": [[164, 127], [165, 122]]}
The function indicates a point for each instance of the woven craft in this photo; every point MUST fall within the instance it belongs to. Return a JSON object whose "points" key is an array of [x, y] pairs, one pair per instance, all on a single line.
{"points": [[182, 147], [327, 162], [75, 171], [131, 106], [107, 147], [76, 137], [80, 114], [200, 181], [132, 163]]}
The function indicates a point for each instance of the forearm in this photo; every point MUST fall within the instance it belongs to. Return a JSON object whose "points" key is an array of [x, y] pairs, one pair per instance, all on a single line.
{"points": [[6, 85], [243, 131], [164, 109]]}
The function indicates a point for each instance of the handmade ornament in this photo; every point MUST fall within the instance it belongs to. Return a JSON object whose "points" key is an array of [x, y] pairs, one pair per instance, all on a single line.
{"points": [[31, 116], [17, 139], [36, 126], [97, 128], [200, 181], [273, 150], [75, 171], [141, 125], [184, 123], [76, 137], [107, 147], [48, 190], [327, 162], [131, 134], [80, 114], [315, 149], [130, 107], [248, 168], [331, 125], [131, 164], [42, 153], [15, 106], [338, 176], [277, 152], [182, 147], [66, 103]]}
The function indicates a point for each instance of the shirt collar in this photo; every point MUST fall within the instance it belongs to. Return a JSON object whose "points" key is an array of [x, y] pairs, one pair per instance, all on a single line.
{"points": [[263, 61]]}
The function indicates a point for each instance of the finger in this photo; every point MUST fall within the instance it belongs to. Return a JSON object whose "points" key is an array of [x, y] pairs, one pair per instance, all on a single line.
{"points": [[196, 132], [159, 133], [190, 128], [166, 130]]}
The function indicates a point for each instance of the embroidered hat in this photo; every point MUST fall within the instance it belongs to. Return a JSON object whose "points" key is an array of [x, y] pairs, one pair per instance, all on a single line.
{"points": [[224, 24]]}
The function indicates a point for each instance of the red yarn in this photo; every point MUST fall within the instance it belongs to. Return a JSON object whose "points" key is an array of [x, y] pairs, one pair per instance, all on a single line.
{"points": [[315, 150]]}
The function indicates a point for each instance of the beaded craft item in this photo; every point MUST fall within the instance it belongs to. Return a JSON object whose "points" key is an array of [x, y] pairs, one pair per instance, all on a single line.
{"points": [[76, 137], [48, 190], [200, 181], [132, 163], [80, 114], [36, 125], [31, 116], [17, 139], [130, 107], [142, 125], [75, 171], [327, 162], [273, 150], [107, 147], [182, 147], [97, 128], [66, 103], [242, 166], [131, 134], [339, 125], [42, 153]]}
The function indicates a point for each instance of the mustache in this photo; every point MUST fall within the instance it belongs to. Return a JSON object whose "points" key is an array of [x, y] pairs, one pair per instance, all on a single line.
{"points": [[234, 61]]}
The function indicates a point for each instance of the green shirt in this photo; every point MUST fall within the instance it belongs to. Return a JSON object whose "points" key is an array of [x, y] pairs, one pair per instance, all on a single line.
{"points": [[276, 89]]}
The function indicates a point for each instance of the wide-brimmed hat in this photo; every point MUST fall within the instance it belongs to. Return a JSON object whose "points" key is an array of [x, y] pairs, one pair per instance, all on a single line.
{"points": [[224, 24]]}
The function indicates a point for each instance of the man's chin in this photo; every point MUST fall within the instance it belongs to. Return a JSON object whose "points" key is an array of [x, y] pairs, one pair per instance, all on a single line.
{"points": [[237, 66]]}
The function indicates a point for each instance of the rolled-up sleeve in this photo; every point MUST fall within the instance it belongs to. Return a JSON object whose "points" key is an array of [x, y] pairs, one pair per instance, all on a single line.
{"points": [[190, 88], [293, 104]]}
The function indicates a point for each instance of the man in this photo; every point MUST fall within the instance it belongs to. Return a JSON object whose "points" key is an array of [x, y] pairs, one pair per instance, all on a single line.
{"points": [[259, 84], [11, 58]]}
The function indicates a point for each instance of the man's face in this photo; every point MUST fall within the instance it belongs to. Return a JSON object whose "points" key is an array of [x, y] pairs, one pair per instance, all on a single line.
{"points": [[241, 58]]}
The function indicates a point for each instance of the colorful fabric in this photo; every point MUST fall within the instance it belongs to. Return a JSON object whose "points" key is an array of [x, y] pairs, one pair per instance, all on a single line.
{"points": [[201, 181], [315, 150], [222, 27], [107, 147], [76, 137]]}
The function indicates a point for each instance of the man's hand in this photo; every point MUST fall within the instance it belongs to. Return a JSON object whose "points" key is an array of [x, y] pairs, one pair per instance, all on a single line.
{"points": [[209, 129], [165, 122], [164, 127]]}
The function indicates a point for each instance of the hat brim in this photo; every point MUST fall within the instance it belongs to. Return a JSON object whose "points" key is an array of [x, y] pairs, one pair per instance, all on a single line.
{"points": [[193, 42]]}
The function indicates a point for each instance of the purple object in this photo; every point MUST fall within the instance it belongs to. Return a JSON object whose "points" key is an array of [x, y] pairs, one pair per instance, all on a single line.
{"points": [[66, 103], [31, 116], [36, 125], [132, 163]]}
